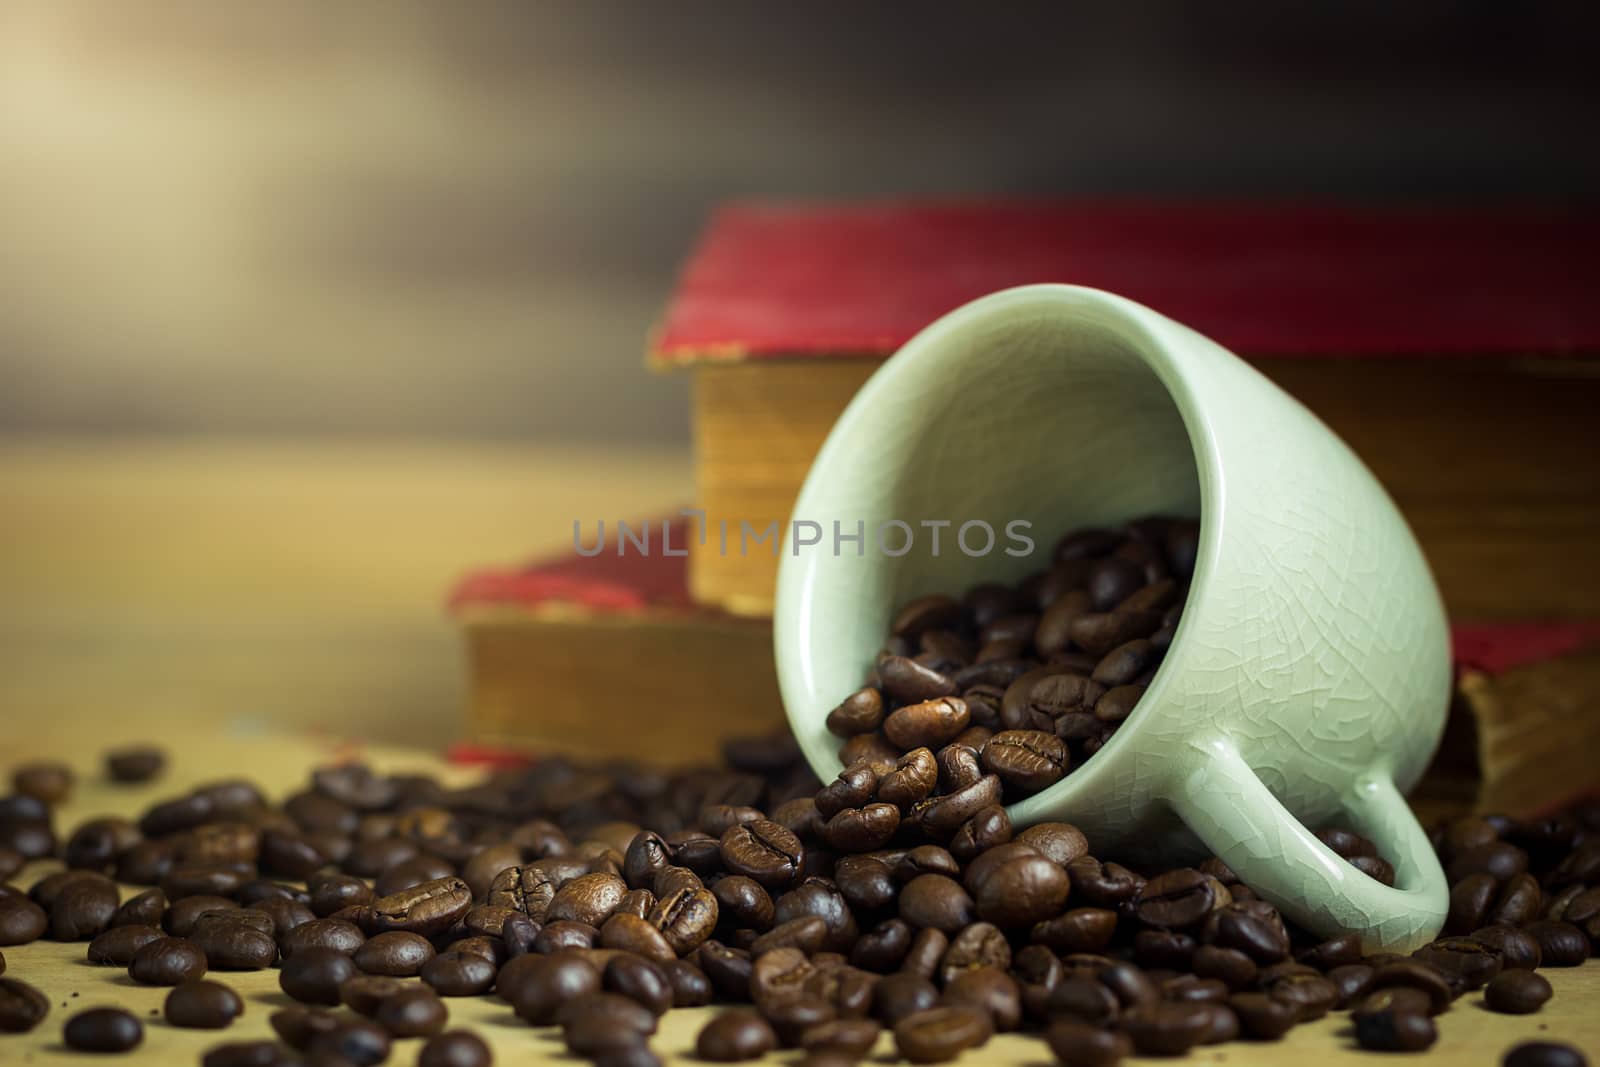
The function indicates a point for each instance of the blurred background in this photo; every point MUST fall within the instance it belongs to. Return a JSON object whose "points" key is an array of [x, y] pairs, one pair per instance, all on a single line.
{"points": [[307, 307], [459, 219]]}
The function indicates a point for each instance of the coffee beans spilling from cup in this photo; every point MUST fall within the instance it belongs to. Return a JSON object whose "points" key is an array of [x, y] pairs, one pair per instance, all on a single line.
{"points": [[896, 907], [993, 697]]}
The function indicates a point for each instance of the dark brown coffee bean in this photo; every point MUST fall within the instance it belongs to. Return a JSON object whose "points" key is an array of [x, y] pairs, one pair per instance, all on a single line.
{"points": [[901, 994], [1078, 930], [933, 612], [548, 983], [245, 1054], [338, 934], [1021, 892], [990, 990], [685, 918], [1351, 981], [1338, 952], [914, 776], [354, 1041], [629, 933], [862, 829], [426, 909], [117, 945], [1374, 867], [958, 767], [1469, 959], [1470, 899], [528, 889], [236, 940], [936, 1035], [690, 986], [459, 974], [84, 910], [850, 1038], [1060, 842], [96, 844], [1230, 965], [1163, 950], [1180, 899], [135, 763], [1026, 760], [297, 1026], [1502, 860], [1518, 949], [853, 787], [1311, 995], [1519, 901], [458, 1048], [396, 954], [413, 1012], [1259, 934], [553, 937], [141, 909], [807, 934], [168, 961], [872, 749], [1124, 664], [1077, 1044], [1543, 1054], [640, 980], [202, 1005], [930, 723], [50, 783], [941, 816], [937, 901], [1393, 1032], [1100, 632], [419, 870], [1263, 1017], [1107, 885], [1561, 944], [1165, 1028], [860, 713], [1517, 992], [1414, 974], [22, 1007], [733, 1036], [102, 1030], [313, 975], [1117, 703]]}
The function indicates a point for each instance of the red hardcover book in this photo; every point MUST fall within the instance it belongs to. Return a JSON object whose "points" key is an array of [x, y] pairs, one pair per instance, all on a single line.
{"points": [[1449, 346]]}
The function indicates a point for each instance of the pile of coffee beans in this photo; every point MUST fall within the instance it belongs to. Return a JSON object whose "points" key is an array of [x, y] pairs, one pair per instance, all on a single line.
{"points": [[993, 697], [897, 900]]}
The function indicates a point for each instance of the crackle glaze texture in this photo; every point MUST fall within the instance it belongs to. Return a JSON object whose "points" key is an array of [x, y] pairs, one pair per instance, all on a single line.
{"points": [[1308, 680]]}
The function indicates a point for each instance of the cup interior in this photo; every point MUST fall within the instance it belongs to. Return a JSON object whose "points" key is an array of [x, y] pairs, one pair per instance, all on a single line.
{"points": [[1039, 406]]}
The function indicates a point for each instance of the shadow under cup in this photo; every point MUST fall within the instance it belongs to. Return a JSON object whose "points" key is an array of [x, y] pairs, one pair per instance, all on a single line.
{"points": [[1029, 426]]}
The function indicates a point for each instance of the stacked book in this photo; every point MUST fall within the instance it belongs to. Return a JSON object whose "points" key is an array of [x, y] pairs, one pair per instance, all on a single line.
{"points": [[1452, 349]]}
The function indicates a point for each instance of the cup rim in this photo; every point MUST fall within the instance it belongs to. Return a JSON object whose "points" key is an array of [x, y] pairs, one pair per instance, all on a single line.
{"points": [[1152, 338]]}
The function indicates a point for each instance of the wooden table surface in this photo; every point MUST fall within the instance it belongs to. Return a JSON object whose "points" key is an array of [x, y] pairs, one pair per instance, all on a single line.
{"points": [[267, 607]]}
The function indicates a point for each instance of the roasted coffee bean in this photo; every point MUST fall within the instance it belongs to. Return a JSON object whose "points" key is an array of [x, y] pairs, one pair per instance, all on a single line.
{"points": [[50, 783], [1469, 959], [1021, 892], [419, 870], [938, 1034], [528, 889], [1100, 632], [455, 1048], [914, 776], [1351, 981], [354, 1041], [861, 712], [95, 845], [820, 897], [459, 974], [297, 1026], [764, 851], [22, 1007], [690, 986], [1179, 899], [629, 933], [232, 941], [1077, 1044], [182, 916], [202, 1005], [313, 975], [559, 935], [640, 980], [1543, 1054], [1105, 885], [1517, 992], [1165, 1028], [1388, 1031], [135, 763], [118, 945], [1163, 949], [930, 723], [990, 990], [1078, 930], [1257, 934], [102, 1030], [1503, 861], [1026, 760], [1263, 1017], [850, 1039], [337, 934], [937, 901], [862, 829], [141, 909], [685, 918], [1124, 664], [923, 859], [365, 992], [549, 983], [1561, 944], [733, 1036], [941, 816], [1338, 952], [1413, 974], [1311, 995], [425, 909], [21, 920], [909, 682], [413, 1012], [1518, 949], [169, 961], [901, 994], [83, 910], [980, 945], [396, 954], [246, 1054], [989, 828]]}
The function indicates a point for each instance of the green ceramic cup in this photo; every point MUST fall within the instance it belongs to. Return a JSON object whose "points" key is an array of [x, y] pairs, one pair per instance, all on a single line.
{"points": [[1307, 683]]}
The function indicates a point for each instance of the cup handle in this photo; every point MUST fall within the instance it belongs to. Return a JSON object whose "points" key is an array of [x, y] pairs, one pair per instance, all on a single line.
{"points": [[1229, 808]]}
